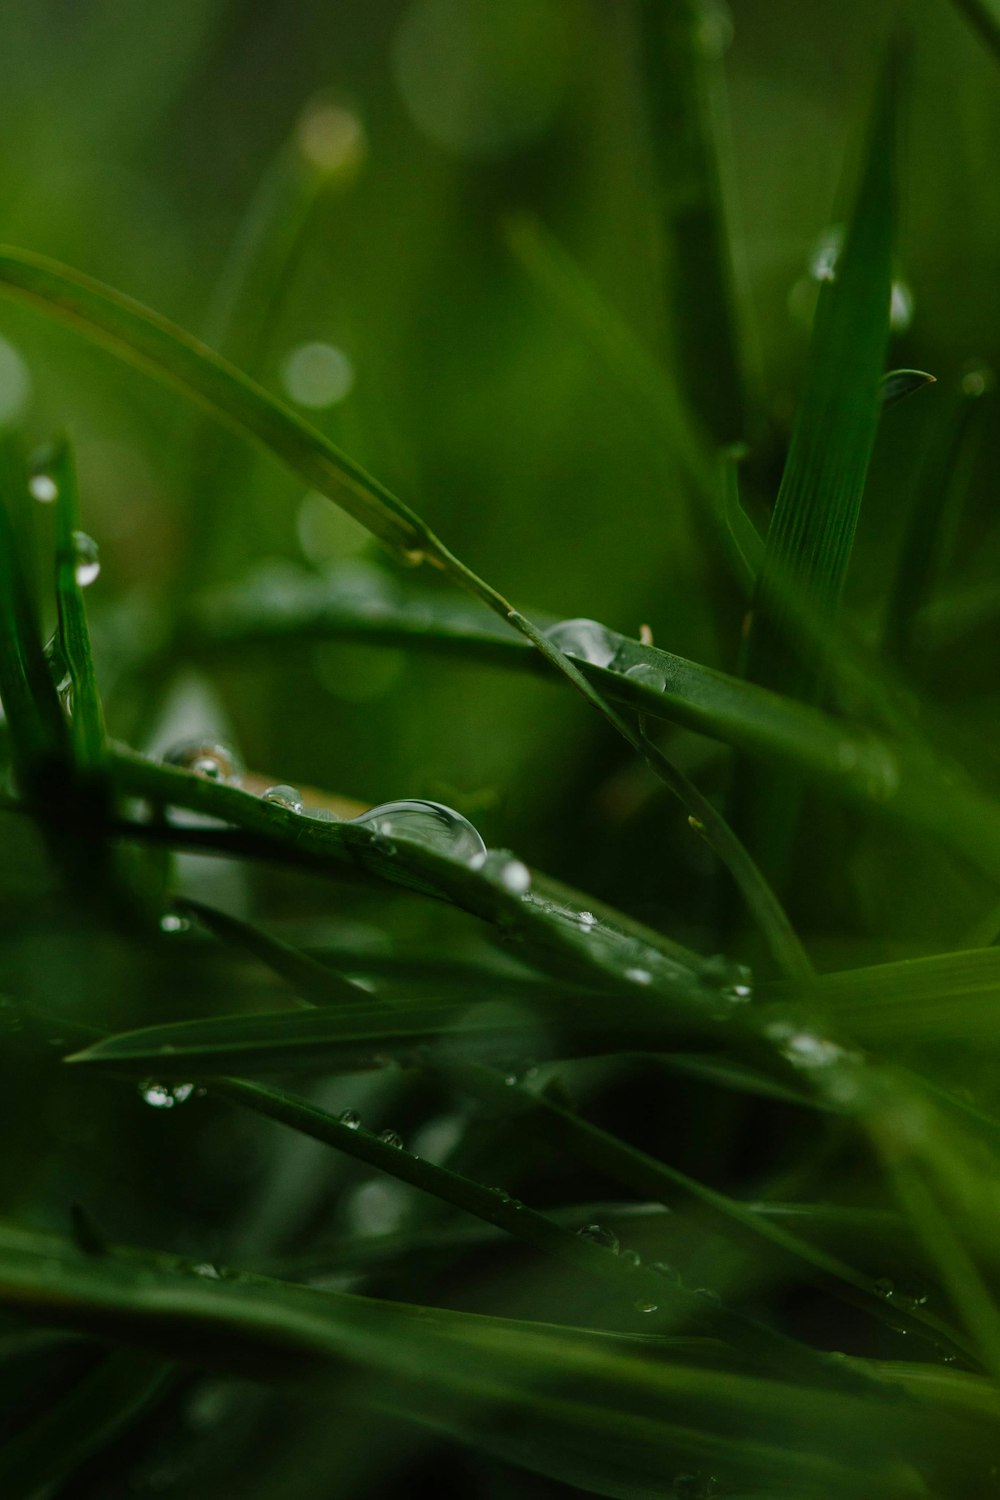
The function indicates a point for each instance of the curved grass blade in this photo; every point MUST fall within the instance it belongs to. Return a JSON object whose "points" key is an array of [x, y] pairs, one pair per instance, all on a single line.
{"points": [[898, 384], [141, 337]]}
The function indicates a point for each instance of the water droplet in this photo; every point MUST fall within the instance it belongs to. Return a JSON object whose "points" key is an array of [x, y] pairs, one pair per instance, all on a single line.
{"points": [[599, 1235], [587, 920], [733, 981], [694, 1486], [87, 561], [283, 796], [43, 487], [668, 1272], [351, 1119], [322, 815], [171, 922], [165, 1095], [330, 137], [429, 823], [504, 869], [639, 976], [645, 1307], [900, 307], [206, 758], [206, 1269], [585, 639], [391, 1138], [631, 1258], [317, 375], [647, 675], [823, 262], [803, 1048], [707, 1294]]}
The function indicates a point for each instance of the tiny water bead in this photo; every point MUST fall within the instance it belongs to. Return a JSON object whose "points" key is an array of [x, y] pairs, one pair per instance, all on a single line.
{"points": [[645, 1307], [587, 640], [599, 1234], [732, 981], [639, 976], [43, 487], [429, 823], [87, 562], [631, 1258], [206, 1269], [171, 922], [391, 1138], [208, 758], [351, 1119], [283, 796], [164, 1095]]}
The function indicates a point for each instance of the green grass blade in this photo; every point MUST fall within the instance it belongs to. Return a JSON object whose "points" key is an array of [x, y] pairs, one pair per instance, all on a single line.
{"points": [[898, 384], [810, 537], [680, 84], [141, 337]]}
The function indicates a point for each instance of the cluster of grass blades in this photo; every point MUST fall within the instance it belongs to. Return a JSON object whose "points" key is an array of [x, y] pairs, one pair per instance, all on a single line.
{"points": [[559, 1286]]}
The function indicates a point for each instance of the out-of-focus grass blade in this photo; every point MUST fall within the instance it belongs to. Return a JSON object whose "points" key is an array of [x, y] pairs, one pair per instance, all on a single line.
{"points": [[811, 534], [101, 1407], [314, 982], [371, 1031], [984, 18], [87, 720], [924, 537], [143, 338], [949, 995], [680, 79], [611, 1414]]}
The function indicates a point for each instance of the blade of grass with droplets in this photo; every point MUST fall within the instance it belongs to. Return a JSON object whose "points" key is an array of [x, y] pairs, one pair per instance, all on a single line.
{"points": [[651, 1178], [141, 337], [809, 541], [588, 1409], [86, 725], [667, 1309], [681, 81]]}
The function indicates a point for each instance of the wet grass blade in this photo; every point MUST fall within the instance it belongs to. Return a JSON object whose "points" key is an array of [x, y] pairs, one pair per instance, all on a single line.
{"points": [[611, 1413]]}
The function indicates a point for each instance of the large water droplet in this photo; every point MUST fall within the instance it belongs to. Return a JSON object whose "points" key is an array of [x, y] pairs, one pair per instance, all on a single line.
{"points": [[206, 758], [283, 796], [391, 1138], [647, 675], [429, 823], [165, 1095], [599, 1234], [87, 565], [351, 1119], [587, 640]]}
